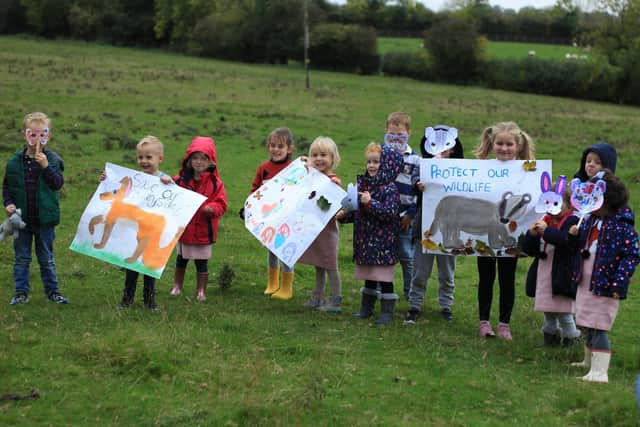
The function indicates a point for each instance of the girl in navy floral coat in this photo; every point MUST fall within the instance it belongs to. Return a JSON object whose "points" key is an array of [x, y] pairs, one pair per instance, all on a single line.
{"points": [[375, 230], [606, 251]]}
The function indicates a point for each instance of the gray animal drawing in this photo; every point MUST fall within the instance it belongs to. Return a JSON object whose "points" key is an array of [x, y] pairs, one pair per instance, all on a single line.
{"points": [[477, 216]]}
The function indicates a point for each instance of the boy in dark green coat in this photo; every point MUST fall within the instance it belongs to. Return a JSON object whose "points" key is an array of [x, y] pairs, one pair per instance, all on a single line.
{"points": [[32, 180]]}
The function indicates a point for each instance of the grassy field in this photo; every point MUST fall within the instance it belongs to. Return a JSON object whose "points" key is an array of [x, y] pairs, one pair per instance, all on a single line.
{"points": [[494, 50], [241, 359]]}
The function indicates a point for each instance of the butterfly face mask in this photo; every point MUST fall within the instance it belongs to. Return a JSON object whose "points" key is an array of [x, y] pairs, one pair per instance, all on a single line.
{"points": [[35, 136]]}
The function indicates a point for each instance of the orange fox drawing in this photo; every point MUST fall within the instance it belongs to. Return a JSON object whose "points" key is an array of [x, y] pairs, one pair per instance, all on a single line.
{"points": [[150, 227]]}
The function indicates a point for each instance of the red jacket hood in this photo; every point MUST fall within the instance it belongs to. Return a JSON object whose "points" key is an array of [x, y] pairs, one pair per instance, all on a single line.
{"points": [[202, 144]]}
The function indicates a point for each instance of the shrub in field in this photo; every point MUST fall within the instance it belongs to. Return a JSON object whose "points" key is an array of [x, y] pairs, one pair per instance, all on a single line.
{"points": [[456, 49], [226, 276], [251, 34], [408, 64], [350, 48], [588, 80], [601, 81], [628, 58], [215, 36]]}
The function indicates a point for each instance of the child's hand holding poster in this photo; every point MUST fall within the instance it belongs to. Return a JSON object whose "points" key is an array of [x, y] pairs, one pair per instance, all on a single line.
{"points": [[478, 207], [287, 213], [134, 221]]}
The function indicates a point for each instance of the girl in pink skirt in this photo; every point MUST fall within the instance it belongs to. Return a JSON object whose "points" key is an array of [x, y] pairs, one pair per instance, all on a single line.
{"points": [[550, 273], [375, 231], [199, 173], [323, 252], [606, 255]]}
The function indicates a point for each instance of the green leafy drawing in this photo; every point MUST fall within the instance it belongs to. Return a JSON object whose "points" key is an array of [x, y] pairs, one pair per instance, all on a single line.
{"points": [[323, 204]]}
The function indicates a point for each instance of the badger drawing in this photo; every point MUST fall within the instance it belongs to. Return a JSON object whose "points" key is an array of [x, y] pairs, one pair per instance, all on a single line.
{"points": [[477, 216]]}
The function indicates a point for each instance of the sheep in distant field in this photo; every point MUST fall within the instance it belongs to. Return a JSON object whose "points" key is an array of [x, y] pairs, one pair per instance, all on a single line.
{"points": [[531, 53], [575, 56]]}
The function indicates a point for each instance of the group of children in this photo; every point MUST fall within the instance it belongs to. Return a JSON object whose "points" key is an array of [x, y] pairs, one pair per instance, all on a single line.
{"points": [[31, 184], [581, 269]]}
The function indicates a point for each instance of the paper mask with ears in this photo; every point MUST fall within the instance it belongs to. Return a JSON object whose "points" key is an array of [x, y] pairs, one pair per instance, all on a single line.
{"points": [[551, 201], [398, 142], [34, 137], [439, 139], [587, 197]]}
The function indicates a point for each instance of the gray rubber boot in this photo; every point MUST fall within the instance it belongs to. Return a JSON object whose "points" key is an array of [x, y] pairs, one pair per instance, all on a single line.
{"points": [[387, 307], [368, 302]]}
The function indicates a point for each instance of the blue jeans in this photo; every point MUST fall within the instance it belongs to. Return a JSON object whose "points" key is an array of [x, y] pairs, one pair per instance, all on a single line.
{"points": [[405, 254], [43, 238]]}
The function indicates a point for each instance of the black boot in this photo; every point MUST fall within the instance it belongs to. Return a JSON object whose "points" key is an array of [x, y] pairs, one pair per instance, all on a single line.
{"points": [[127, 297], [149, 293], [130, 279], [368, 302], [551, 340], [387, 307]]}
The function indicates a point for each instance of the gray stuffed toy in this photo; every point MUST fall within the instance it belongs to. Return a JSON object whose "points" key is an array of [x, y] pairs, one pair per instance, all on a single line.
{"points": [[12, 225]]}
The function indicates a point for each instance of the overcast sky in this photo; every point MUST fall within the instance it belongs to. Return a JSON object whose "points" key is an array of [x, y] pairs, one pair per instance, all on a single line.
{"points": [[505, 4], [510, 4]]}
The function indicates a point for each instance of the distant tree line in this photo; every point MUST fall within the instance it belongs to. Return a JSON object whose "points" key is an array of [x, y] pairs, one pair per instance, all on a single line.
{"points": [[344, 37], [274, 24]]}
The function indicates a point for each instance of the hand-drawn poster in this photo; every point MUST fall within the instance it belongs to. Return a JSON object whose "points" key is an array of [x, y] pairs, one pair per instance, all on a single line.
{"points": [[134, 220], [288, 212], [478, 207]]}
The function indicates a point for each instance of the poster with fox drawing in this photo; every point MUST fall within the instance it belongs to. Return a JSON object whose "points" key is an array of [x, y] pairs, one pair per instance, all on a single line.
{"points": [[134, 220]]}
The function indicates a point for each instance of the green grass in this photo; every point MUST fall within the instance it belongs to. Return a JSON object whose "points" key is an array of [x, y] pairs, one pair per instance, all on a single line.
{"points": [[239, 358], [494, 50]]}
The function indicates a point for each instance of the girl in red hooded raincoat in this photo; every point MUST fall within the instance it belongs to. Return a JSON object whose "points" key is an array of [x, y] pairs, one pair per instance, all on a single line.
{"points": [[199, 173]]}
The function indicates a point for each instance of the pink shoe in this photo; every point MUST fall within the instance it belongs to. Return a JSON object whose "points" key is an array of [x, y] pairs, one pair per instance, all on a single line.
{"points": [[484, 329], [504, 332]]}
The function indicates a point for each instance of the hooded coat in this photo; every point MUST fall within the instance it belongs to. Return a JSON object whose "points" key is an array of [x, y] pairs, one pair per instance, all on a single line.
{"points": [[607, 154], [203, 227], [376, 225]]}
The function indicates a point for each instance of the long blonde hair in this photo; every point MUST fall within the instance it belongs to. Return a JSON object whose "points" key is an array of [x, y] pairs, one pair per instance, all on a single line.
{"points": [[526, 147]]}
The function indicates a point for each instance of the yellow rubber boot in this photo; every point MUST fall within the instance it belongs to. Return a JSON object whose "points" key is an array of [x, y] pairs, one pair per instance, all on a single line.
{"points": [[286, 290], [273, 283]]}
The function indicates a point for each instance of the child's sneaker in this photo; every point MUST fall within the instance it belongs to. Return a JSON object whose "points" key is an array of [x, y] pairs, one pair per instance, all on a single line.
{"points": [[412, 316], [315, 300], [447, 314], [57, 298], [504, 332], [19, 298], [484, 329], [334, 305]]}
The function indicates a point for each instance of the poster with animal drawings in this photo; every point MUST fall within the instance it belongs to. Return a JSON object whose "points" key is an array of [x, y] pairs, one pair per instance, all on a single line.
{"points": [[479, 207], [287, 213], [134, 220]]}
